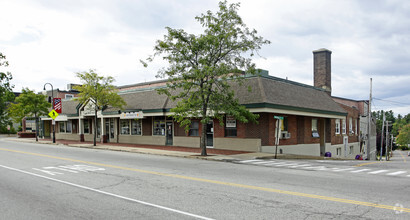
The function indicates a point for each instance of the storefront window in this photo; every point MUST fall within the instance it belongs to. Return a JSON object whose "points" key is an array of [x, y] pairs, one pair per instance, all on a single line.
{"points": [[194, 128], [86, 126], [230, 127], [69, 126], [125, 126], [62, 126], [315, 133], [136, 128], [159, 127]]}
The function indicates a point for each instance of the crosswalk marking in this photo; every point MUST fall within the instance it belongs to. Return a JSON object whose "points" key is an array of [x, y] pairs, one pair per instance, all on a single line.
{"points": [[396, 173], [319, 167], [378, 171], [358, 171]]}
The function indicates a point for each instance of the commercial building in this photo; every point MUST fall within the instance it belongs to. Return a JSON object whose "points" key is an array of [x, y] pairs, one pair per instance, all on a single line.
{"points": [[312, 122]]}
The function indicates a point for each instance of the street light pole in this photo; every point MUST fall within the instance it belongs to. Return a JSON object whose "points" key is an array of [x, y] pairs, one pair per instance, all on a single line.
{"points": [[52, 105]]}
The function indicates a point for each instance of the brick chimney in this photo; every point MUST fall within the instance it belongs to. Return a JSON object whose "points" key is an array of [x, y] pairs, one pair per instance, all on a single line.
{"points": [[322, 70]]}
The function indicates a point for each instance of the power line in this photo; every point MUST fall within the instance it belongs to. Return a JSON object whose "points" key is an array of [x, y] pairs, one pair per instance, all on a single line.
{"points": [[395, 102]]}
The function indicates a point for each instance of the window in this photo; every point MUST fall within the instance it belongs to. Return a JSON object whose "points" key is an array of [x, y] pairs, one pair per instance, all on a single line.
{"points": [[350, 126], [339, 151], [351, 150], [69, 126], [98, 128], [230, 127], [86, 126], [125, 126], [136, 128], [356, 125], [337, 126], [344, 126], [69, 96], [159, 127], [315, 133], [194, 128], [62, 126]]}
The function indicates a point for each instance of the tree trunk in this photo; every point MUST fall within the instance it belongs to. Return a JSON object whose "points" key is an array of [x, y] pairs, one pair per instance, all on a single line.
{"points": [[95, 127], [36, 128], [203, 140]]}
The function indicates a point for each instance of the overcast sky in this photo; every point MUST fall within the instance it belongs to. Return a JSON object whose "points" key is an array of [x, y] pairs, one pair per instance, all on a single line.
{"points": [[48, 41]]}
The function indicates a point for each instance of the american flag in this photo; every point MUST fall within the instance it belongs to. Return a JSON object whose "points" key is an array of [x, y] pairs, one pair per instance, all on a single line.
{"points": [[57, 105]]}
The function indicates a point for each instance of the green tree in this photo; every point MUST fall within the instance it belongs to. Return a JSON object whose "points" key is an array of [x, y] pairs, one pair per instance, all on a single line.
{"points": [[201, 67], [100, 91], [6, 94], [403, 138], [29, 104]]}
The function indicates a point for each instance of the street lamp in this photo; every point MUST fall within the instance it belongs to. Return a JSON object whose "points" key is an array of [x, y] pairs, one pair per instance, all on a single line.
{"points": [[52, 105]]}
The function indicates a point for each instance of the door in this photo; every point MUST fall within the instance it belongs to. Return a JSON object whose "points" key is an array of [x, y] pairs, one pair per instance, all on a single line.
{"points": [[169, 134], [210, 134]]}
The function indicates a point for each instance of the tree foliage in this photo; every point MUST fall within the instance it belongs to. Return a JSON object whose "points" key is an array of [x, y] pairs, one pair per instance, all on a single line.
{"points": [[6, 94], [202, 66], [403, 138], [29, 104], [100, 91]]}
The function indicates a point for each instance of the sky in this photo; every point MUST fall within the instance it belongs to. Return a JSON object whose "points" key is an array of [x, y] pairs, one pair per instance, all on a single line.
{"points": [[48, 41]]}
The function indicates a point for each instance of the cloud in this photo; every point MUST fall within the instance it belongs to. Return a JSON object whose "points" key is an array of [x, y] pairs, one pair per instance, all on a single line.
{"points": [[48, 41]]}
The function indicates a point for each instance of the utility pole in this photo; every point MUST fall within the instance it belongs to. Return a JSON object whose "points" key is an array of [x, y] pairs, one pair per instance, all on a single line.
{"points": [[369, 124], [387, 139], [391, 145], [382, 137]]}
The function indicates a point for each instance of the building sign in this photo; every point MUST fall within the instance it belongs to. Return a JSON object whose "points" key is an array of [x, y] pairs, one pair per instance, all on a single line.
{"points": [[57, 105], [89, 109], [230, 122], [131, 115]]}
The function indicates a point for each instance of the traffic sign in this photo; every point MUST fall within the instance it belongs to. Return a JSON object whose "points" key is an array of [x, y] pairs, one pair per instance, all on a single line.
{"points": [[278, 117], [53, 114]]}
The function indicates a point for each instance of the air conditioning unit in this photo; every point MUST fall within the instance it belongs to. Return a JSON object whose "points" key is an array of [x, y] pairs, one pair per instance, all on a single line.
{"points": [[285, 135]]}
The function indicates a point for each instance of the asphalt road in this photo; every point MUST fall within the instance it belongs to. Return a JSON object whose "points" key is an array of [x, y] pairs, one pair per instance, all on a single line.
{"points": [[59, 182]]}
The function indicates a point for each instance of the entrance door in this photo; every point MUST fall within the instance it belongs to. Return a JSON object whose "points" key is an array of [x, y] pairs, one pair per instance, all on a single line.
{"points": [[107, 129], [169, 135], [210, 134]]}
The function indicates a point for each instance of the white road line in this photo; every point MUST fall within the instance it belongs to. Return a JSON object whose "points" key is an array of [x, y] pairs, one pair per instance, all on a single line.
{"points": [[396, 173], [248, 161], [340, 170], [270, 163], [286, 164], [378, 171], [303, 165], [358, 171], [109, 194], [263, 162]]}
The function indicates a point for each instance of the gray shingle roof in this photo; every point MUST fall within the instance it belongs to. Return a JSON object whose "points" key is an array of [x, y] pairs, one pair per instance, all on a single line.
{"points": [[264, 90]]}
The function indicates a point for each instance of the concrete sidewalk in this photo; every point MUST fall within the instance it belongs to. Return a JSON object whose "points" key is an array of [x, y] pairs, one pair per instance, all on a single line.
{"points": [[213, 154]]}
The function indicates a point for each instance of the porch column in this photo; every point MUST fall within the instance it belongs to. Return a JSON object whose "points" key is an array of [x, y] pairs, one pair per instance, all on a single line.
{"points": [[80, 129]]}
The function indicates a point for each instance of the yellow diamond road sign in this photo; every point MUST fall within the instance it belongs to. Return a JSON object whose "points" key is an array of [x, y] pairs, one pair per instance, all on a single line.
{"points": [[53, 114]]}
